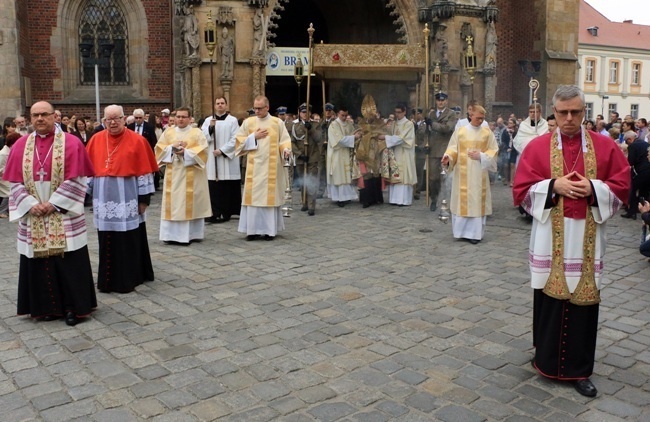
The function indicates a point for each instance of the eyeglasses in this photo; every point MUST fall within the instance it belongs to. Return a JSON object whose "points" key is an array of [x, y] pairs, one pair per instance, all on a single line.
{"points": [[114, 119], [43, 115], [259, 108], [565, 113]]}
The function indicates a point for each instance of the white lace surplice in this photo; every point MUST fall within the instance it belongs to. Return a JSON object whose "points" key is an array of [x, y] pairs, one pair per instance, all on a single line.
{"points": [[115, 201]]}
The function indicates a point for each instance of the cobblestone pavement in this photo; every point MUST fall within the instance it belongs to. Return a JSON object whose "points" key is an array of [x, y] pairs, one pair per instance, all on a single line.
{"points": [[355, 314]]}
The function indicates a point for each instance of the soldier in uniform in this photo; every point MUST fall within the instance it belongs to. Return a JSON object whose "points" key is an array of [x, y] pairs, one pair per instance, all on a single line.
{"points": [[420, 154], [281, 113], [329, 117], [300, 129], [441, 123]]}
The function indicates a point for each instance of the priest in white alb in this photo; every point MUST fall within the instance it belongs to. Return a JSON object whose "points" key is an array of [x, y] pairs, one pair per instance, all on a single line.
{"points": [[402, 141], [265, 141], [471, 152], [224, 173], [341, 135], [183, 149]]}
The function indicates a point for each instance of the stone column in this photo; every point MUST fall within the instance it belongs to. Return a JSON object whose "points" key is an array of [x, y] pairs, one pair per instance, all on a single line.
{"points": [[258, 65], [11, 101], [196, 93], [557, 23]]}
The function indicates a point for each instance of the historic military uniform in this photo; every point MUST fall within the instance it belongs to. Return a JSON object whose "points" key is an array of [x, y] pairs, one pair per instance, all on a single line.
{"points": [[311, 154], [441, 124], [329, 117], [420, 152]]}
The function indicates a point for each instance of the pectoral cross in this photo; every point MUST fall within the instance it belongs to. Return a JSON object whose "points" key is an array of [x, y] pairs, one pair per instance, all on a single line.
{"points": [[41, 174]]}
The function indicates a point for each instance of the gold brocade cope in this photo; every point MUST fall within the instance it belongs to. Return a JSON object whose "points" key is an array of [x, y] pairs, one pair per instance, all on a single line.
{"points": [[388, 167], [586, 293], [48, 238], [369, 147]]}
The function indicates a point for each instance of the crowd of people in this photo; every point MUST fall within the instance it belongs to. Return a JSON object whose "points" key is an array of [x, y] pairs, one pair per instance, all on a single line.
{"points": [[565, 175]]}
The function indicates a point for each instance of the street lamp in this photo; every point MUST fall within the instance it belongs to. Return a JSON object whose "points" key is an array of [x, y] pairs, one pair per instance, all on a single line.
{"points": [[436, 77], [470, 61], [102, 56], [298, 73], [210, 40]]}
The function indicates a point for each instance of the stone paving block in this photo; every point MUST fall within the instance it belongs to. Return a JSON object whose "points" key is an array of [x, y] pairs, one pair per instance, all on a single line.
{"points": [[392, 408], [85, 391], [32, 376], [147, 408], [495, 410], [570, 407], [315, 394], [174, 352], [47, 401], [176, 399], [66, 412], [329, 412], [286, 405], [270, 390], [149, 388], [373, 416], [409, 377], [456, 413], [423, 402], [115, 398], [617, 408]]}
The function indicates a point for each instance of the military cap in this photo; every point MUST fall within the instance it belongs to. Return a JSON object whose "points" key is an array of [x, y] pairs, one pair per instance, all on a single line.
{"points": [[251, 112], [303, 107], [281, 110], [441, 96], [329, 106]]}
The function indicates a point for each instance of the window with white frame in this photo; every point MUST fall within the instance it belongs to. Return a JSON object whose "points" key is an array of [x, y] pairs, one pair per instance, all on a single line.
{"points": [[634, 111], [611, 108], [613, 72], [589, 70], [636, 73], [589, 111]]}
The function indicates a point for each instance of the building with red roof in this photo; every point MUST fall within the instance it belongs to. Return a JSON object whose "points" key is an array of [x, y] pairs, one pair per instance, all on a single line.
{"points": [[614, 60]]}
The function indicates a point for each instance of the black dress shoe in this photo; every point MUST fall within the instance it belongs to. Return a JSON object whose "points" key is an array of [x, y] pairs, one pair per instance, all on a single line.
{"points": [[586, 388], [252, 237], [311, 212], [49, 318], [473, 241], [341, 204], [433, 206], [628, 215], [269, 238], [416, 197], [304, 208], [70, 319], [365, 205]]}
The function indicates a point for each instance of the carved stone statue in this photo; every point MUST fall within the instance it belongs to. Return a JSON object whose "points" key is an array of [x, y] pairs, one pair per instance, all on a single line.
{"points": [[190, 33], [227, 52], [441, 45], [260, 26], [491, 47]]}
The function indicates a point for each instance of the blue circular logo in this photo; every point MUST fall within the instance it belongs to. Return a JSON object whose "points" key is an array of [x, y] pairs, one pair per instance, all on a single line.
{"points": [[274, 61]]}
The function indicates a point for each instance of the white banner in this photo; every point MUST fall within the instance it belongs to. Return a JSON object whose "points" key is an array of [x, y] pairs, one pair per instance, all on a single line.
{"points": [[281, 60]]}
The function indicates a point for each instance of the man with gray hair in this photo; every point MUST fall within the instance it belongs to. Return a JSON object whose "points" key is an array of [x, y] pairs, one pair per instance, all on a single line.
{"points": [[144, 129], [571, 182], [121, 191]]}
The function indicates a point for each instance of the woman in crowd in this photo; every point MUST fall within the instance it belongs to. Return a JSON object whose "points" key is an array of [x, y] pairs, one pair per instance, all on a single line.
{"points": [[81, 131], [8, 127], [507, 136]]}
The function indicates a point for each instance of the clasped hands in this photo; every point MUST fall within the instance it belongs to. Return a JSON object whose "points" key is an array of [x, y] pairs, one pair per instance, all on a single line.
{"points": [[41, 210], [179, 147], [573, 189]]}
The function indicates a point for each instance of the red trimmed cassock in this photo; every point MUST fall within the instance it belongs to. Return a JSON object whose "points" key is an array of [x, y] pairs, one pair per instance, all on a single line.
{"points": [[55, 277], [564, 333], [123, 181]]}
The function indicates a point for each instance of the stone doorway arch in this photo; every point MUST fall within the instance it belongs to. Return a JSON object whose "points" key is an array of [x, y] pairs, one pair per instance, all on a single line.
{"points": [[393, 22]]}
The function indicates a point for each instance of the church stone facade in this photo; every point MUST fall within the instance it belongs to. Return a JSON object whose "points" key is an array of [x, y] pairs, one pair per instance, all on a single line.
{"points": [[152, 54]]}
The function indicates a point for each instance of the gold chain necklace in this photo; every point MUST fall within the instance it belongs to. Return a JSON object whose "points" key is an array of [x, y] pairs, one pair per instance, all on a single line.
{"points": [[574, 164], [108, 159]]}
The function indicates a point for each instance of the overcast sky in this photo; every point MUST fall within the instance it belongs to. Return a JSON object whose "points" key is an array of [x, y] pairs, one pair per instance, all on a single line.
{"points": [[620, 10]]}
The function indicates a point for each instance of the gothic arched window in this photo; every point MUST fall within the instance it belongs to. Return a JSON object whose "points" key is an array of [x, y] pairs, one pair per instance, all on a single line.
{"points": [[103, 39]]}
